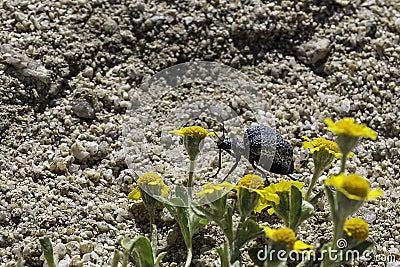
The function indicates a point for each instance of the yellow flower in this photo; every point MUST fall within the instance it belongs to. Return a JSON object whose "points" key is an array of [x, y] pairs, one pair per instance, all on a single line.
{"points": [[322, 144], [284, 186], [211, 188], [356, 227], [286, 237], [267, 198], [192, 138], [255, 184], [348, 127], [251, 181], [353, 186], [270, 194], [193, 131], [152, 184]]}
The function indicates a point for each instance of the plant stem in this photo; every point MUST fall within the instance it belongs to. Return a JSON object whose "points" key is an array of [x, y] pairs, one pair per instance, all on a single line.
{"points": [[190, 180], [234, 247], [343, 164], [189, 255], [317, 173], [339, 224], [152, 214]]}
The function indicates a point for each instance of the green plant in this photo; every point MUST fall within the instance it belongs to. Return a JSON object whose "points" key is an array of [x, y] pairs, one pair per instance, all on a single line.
{"points": [[286, 199], [48, 254], [143, 250]]}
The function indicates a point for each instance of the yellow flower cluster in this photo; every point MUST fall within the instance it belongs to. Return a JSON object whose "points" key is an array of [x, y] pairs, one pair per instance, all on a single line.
{"points": [[194, 131], [348, 127], [152, 182], [270, 194], [320, 144], [192, 139], [251, 181], [285, 236], [356, 227], [211, 188], [353, 186]]}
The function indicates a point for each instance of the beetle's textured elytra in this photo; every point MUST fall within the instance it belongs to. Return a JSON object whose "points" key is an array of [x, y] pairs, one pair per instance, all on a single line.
{"points": [[261, 146], [265, 142]]}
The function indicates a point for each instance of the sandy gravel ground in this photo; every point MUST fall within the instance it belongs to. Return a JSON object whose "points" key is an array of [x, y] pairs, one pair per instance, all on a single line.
{"points": [[76, 120]]}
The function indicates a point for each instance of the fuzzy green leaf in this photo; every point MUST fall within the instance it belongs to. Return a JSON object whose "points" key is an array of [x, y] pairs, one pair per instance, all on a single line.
{"points": [[116, 258], [48, 251], [296, 199], [142, 247]]}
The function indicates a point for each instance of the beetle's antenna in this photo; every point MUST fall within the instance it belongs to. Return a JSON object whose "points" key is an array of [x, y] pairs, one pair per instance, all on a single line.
{"points": [[223, 130], [219, 138], [220, 149]]}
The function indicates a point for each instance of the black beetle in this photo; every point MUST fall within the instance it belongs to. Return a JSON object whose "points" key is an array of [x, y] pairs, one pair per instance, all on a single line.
{"points": [[261, 145]]}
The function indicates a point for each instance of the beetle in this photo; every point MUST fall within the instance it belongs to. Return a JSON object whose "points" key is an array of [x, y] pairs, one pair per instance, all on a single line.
{"points": [[262, 146]]}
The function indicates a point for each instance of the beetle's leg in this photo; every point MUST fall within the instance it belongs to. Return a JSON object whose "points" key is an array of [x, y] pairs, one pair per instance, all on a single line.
{"points": [[263, 174], [220, 161], [232, 168]]}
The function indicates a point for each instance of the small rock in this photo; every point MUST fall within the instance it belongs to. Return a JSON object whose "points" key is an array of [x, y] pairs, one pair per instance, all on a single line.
{"points": [[110, 26], [76, 261], [86, 247], [25, 65], [86, 257], [313, 51], [173, 236], [60, 250], [83, 109], [342, 2], [345, 105], [92, 175], [88, 72], [78, 151], [73, 248], [64, 263], [92, 147], [369, 216], [397, 25]]}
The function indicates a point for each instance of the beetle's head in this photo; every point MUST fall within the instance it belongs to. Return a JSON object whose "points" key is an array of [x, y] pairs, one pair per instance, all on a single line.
{"points": [[225, 144]]}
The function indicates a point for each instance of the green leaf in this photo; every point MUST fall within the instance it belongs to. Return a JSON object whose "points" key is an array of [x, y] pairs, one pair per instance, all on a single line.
{"points": [[307, 211], [154, 238], [127, 243], [223, 254], [116, 258], [283, 208], [181, 192], [142, 248], [249, 230], [159, 258], [255, 253], [296, 199], [48, 251], [247, 201], [20, 261], [332, 202]]}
